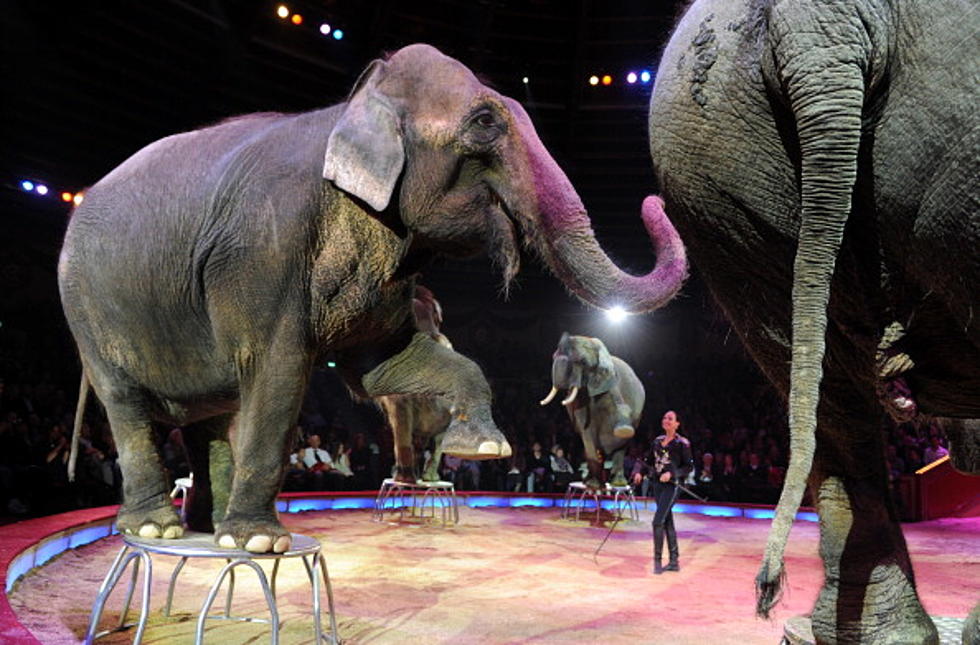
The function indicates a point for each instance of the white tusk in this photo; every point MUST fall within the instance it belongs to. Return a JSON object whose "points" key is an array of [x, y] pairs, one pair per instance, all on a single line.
{"points": [[551, 395], [571, 396]]}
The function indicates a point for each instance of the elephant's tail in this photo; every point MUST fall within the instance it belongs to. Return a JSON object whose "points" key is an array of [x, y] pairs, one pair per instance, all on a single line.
{"points": [[83, 389]]}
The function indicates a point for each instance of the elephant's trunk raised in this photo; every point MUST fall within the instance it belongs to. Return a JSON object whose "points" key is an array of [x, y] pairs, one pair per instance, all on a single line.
{"points": [[571, 251]]}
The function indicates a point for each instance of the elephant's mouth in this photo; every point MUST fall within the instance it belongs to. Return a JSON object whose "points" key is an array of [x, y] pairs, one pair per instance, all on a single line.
{"points": [[503, 247]]}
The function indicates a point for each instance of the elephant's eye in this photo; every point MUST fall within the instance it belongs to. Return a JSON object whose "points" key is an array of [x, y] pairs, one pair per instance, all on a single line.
{"points": [[486, 120], [484, 128]]}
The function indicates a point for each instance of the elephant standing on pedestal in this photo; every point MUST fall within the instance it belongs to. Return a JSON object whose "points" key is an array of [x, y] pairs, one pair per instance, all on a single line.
{"points": [[822, 162], [205, 276], [604, 402], [418, 418]]}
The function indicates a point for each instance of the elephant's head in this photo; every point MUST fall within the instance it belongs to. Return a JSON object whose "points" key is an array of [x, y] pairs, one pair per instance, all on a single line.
{"points": [[465, 170], [580, 361]]}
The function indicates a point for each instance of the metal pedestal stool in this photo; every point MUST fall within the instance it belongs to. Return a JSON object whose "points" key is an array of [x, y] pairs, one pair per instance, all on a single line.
{"points": [[201, 545], [420, 499], [623, 502]]}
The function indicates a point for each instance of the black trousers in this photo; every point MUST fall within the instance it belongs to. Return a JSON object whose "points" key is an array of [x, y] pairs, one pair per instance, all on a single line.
{"points": [[666, 495], [663, 525]]}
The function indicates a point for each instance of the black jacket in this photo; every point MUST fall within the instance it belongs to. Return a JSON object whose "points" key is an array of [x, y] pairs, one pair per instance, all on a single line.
{"points": [[674, 457]]}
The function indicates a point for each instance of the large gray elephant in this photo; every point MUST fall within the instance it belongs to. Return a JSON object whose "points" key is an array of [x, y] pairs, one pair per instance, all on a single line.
{"points": [[204, 276], [419, 418], [820, 160], [604, 402]]}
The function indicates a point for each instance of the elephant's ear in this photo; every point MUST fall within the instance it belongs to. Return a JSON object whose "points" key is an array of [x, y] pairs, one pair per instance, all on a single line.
{"points": [[602, 378], [365, 153]]}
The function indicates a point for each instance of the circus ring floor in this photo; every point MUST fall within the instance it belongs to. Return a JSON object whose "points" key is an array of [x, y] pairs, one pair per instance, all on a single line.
{"points": [[511, 571]]}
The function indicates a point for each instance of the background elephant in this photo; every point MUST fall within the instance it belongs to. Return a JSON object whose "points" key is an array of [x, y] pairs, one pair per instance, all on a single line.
{"points": [[604, 401], [205, 276], [820, 162], [418, 418]]}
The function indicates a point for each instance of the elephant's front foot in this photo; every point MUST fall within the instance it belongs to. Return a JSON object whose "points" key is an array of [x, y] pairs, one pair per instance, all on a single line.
{"points": [[592, 483], [404, 474], [622, 428], [431, 473], [255, 535], [159, 522], [474, 439]]}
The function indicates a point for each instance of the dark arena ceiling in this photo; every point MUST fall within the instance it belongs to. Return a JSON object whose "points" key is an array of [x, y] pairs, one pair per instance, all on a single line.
{"points": [[87, 84]]}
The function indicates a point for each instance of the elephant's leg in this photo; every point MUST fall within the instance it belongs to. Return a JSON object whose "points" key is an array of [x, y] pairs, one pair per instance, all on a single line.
{"points": [[592, 457], [431, 473], [271, 395], [429, 368], [398, 410], [869, 593], [146, 510], [209, 453], [622, 417], [964, 444], [617, 477]]}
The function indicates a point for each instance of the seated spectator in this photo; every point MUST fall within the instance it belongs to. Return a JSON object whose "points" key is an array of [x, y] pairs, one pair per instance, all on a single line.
{"points": [[321, 474], [539, 474], [561, 469], [753, 478], [704, 479], [728, 484], [935, 450]]}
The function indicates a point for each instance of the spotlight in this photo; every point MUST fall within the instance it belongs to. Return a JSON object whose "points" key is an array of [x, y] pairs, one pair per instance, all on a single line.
{"points": [[282, 11], [631, 78], [616, 314], [325, 29], [644, 76], [77, 199], [66, 196], [331, 364], [593, 80], [525, 80], [607, 80], [27, 185], [41, 189], [338, 34], [297, 19]]}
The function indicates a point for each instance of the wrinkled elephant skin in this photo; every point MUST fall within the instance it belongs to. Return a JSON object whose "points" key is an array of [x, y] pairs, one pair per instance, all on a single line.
{"points": [[204, 277], [820, 160]]}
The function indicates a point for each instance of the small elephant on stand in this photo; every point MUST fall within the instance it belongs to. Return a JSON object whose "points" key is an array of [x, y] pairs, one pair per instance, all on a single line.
{"points": [[417, 417], [604, 402]]}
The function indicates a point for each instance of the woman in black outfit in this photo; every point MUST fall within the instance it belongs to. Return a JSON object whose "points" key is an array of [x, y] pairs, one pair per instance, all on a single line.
{"points": [[671, 462]]}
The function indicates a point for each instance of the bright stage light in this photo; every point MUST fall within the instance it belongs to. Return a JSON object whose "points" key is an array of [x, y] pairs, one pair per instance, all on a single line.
{"points": [[616, 314], [644, 76], [297, 19], [282, 11], [607, 80], [338, 34], [325, 29], [41, 189], [66, 196], [77, 199], [631, 78], [593, 80], [27, 185], [525, 80]]}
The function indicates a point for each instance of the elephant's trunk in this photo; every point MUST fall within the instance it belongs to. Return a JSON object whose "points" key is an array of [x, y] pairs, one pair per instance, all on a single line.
{"points": [[567, 243]]}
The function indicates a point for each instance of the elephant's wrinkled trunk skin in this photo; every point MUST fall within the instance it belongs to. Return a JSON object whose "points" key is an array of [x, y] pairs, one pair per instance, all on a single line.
{"points": [[571, 251]]}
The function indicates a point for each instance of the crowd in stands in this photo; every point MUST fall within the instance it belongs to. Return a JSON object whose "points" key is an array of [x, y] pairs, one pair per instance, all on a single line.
{"points": [[738, 461]]}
